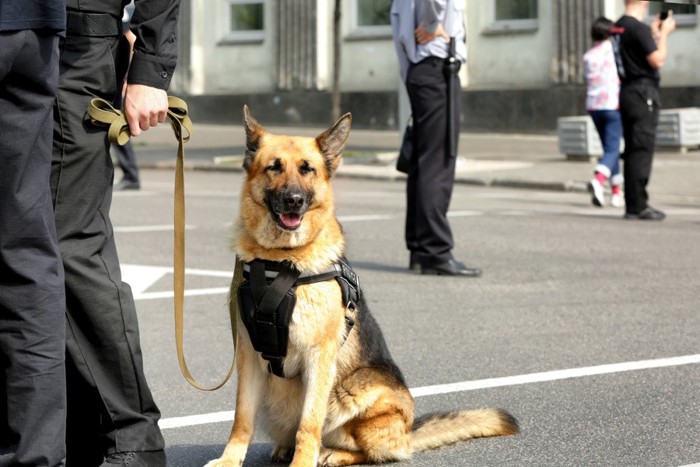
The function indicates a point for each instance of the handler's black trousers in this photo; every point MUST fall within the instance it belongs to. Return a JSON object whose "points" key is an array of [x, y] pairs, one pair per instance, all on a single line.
{"points": [[639, 108], [432, 172], [110, 407], [32, 299]]}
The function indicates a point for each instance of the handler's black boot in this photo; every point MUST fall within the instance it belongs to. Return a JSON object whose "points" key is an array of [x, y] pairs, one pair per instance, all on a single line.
{"points": [[135, 459]]}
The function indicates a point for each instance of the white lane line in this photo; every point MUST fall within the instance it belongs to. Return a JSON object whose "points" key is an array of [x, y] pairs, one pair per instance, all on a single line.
{"points": [[180, 422], [149, 228], [188, 293], [368, 217], [554, 375], [140, 278], [464, 213]]}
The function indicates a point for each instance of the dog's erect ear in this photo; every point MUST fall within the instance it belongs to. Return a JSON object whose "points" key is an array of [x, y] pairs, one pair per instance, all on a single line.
{"points": [[332, 142], [253, 133]]}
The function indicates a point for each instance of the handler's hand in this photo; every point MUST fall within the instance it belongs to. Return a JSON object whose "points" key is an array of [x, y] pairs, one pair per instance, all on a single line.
{"points": [[144, 107]]}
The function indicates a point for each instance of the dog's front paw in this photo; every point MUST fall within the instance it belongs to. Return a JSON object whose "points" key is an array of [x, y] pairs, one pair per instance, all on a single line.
{"points": [[224, 463], [328, 458], [282, 455]]}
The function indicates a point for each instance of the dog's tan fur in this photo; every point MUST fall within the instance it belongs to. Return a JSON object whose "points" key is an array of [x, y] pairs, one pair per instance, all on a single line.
{"points": [[346, 405]]}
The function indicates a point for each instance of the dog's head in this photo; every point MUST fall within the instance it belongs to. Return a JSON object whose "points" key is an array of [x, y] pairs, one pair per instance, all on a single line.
{"points": [[287, 196]]}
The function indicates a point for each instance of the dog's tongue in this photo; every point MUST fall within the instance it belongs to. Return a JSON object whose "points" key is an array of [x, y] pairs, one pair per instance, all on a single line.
{"points": [[290, 220]]}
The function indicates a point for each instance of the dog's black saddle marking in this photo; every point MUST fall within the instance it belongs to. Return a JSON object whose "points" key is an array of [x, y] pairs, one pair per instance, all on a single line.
{"points": [[267, 298]]}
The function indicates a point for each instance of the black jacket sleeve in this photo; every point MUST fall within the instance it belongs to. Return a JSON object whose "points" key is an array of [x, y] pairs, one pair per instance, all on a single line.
{"points": [[154, 23]]}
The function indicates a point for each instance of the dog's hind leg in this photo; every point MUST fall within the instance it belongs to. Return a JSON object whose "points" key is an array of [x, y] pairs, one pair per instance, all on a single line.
{"points": [[251, 387], [381, 429]]}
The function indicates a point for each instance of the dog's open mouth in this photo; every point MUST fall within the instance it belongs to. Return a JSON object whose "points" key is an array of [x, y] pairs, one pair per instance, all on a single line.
{"points": [[289, 221]]}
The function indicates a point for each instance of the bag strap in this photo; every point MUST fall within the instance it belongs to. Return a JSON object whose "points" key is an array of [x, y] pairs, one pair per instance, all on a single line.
{"points": [[103, 113]]}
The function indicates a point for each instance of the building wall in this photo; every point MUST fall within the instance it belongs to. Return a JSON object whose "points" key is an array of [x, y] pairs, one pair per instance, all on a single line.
{"points": [[508, 74], [504, 58], [222, 66]]}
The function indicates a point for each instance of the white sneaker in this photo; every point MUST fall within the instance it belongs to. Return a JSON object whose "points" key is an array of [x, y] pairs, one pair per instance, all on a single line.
{"points": [[596, 191], [617, 200]]}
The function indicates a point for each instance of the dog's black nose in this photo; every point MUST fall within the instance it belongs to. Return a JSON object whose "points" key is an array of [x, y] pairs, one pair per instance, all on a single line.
{"points": [[293, 201]]}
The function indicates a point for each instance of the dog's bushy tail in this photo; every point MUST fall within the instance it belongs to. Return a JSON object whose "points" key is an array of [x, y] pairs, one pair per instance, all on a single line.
{"points": [[439, 429]]}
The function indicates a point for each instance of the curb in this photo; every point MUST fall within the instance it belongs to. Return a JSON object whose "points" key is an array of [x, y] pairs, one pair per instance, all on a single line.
{"points": [[371, 174]]}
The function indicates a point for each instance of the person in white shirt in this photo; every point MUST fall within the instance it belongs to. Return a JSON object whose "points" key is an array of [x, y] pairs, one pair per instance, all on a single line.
{"points": [[422, 30]]}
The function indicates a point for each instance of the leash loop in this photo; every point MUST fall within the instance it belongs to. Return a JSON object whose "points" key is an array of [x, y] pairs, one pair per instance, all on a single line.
{"points": [[103, 113]]}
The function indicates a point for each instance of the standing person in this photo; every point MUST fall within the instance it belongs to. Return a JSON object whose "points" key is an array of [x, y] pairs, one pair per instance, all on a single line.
{"points": [[112, 417], [32, 294], [422, 30], [643, 51], [603, 103], [126, 157]]}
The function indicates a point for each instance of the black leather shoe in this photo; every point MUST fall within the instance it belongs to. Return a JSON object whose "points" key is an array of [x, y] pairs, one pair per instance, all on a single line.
{"points": [[451, 268], [127, 185], [135, 459], [647, 214]]}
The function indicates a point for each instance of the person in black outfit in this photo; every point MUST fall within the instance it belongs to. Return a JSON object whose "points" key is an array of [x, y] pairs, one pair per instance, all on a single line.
{"points": [[422, 30], [32, 294], [642, 52], [112, 417]]}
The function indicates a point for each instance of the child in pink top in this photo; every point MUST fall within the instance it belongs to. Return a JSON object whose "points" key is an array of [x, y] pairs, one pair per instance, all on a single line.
{"points": [[602, 103]]}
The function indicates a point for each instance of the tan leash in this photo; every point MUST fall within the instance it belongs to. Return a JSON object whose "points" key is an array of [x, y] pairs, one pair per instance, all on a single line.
{"points": [[103, 113]]}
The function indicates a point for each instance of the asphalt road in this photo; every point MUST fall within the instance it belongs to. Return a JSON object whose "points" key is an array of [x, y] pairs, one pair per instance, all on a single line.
{"points": [[584, 326]]}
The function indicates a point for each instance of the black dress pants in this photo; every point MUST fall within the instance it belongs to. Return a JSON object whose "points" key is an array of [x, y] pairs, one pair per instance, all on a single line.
{"points": [[126, 157], [110, 407], [431, 176], [32, 298], [639, 108]]}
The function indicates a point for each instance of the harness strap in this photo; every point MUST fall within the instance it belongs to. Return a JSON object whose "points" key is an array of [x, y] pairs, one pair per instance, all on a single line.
{"points": [[267, 299]]}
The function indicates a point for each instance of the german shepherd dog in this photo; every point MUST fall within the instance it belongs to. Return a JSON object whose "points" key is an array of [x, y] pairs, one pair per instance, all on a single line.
{"points": [[347, 402]]}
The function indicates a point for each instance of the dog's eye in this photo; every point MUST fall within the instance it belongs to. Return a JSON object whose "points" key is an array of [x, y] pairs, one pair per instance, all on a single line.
{"points": [[275, 167], [306, 169]]}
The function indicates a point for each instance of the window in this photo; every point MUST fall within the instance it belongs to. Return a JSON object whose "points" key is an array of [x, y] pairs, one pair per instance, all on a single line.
{"points": [[684, 14], [513, 15], [514, 10], [373, 12], [246, 21], [371, 18]]}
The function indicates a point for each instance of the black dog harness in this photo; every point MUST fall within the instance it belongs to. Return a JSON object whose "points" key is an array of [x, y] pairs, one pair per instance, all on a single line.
{"points": [[268, 296]]}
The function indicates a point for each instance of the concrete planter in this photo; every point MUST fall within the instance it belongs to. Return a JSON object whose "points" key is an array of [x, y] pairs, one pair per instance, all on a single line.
{"points": [[578, 138], [678, 129]]}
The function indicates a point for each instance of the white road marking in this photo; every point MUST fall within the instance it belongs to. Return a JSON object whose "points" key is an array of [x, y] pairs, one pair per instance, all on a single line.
{"points": [[464, 213], [141, 278], [188, 293], [180, 422], [149, 228], [369, 217], [554, 375]]}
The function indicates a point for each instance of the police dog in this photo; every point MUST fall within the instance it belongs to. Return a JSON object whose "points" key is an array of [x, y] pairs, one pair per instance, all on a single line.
{"points": [[346, 401]]}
